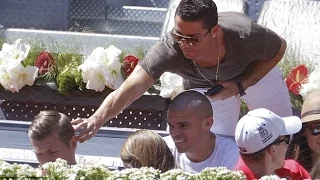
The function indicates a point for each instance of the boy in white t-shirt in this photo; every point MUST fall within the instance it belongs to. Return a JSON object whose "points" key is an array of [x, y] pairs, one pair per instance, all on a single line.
{"points": [[194, 146]]}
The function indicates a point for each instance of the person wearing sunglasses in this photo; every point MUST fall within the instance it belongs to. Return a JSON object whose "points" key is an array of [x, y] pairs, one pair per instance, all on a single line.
{"points": [[305, 147], [263, 138], [227, 56]]}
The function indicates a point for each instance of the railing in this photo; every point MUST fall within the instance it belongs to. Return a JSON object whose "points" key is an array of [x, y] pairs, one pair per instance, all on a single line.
{"points": [[147, 112]]}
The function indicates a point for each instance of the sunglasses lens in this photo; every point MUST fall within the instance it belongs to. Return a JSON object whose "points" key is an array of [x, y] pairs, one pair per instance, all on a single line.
{"points": [[315, 129], [178, 39], [192, 41], [315, 132]]}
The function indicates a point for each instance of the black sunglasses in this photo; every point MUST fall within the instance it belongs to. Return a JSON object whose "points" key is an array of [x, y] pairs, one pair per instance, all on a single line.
{"points": [[178, 38], [287, 140], [314, 129]]}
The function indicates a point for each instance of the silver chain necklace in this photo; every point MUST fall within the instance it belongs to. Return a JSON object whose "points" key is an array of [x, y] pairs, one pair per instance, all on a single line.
{"points": [[217, 70]]}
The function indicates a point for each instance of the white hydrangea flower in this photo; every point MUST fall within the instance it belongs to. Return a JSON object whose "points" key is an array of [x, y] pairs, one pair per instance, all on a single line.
{"points": [[171, 85], [57, 170], [176, 174], [92, 170], [271, 177], [221, 173], [145, 173], [312, 84], [95, 170], [102, 68]]}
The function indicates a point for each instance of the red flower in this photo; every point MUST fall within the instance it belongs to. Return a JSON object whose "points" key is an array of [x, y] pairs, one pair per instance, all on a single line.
{"points": [[297, 76], [45, 62], [129, 63]]}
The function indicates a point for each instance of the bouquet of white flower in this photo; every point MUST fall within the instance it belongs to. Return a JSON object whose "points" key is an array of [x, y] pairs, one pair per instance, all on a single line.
{"points": [[18, 171], [13, 75], [177, 174], [90, 171], [60, 170], [102, 68]]}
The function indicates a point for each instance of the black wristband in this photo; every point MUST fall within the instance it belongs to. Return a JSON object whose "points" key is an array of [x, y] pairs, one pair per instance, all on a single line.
{"points": [[240, 87]]}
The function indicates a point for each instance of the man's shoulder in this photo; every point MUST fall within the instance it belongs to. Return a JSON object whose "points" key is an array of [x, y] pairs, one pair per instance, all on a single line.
{"points": [[241, 166], [227, 147], [225, 141], [164, 50], [234, 21], [230, 15]]}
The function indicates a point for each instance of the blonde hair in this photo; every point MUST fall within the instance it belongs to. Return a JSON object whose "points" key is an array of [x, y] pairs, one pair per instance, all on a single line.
{"points": [[145, 148]]}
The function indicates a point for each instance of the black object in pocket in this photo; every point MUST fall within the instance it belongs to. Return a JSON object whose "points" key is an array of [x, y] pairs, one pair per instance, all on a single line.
{"points": [[214, 90]]}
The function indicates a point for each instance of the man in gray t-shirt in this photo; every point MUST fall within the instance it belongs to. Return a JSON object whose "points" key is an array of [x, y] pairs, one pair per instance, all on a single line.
{"points": [[208, 49]]}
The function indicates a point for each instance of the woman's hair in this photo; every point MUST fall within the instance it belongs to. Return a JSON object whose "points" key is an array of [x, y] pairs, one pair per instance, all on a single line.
{"points": [[145, 148], [315, 171], [300, 150]]}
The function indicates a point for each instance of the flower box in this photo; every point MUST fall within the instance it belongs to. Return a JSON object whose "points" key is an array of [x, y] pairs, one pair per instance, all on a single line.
{"points": [[147, 112]]}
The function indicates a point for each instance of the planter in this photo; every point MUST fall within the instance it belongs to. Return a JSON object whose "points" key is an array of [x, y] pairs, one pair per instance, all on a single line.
{"points": [[147, 112]]}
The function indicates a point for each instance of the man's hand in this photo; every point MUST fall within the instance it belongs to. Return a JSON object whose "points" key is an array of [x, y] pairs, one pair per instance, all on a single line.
{"points": [[230, 88], [131, 89], [87, 127]]}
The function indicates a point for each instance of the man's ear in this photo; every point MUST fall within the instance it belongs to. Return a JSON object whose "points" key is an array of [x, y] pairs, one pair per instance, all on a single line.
{"points": [[209, 122], [271, 150], [214, 30]]}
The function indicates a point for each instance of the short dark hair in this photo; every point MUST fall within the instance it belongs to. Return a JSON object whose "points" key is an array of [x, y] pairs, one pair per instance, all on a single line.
{"points": [[255, 157], [49, 122], [192, 100], [196, 10], [259, 156]]}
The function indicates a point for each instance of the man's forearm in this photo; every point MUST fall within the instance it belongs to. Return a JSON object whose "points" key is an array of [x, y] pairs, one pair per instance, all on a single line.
{"points": [[133, 88], [112, 105], [259, 69]]}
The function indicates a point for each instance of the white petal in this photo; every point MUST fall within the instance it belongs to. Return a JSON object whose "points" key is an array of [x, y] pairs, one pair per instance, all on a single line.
{"points": [[96, 79], [171, 85], [85, 71], [14, 53], [312, 84], [113, 52], [114, 79], [95, 55], [28, 75], [7, 81], [21, 50]]}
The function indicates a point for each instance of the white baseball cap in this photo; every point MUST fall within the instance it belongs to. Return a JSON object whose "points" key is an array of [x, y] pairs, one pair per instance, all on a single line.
{"points": [[261, 127]]}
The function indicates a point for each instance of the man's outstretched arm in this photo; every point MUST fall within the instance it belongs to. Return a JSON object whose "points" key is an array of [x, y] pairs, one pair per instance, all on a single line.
{"points": [[132, 88]]}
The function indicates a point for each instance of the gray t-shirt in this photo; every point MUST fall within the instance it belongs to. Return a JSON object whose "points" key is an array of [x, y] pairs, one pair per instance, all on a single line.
{"points": [[245, 42]]}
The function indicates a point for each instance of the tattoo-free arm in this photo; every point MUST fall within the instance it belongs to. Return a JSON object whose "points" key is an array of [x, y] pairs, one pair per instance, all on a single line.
{"points": [[132, 88]]}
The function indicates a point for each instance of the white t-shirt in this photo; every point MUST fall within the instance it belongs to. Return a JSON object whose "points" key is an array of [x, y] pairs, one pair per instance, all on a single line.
{"points": [[225, 154]]}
